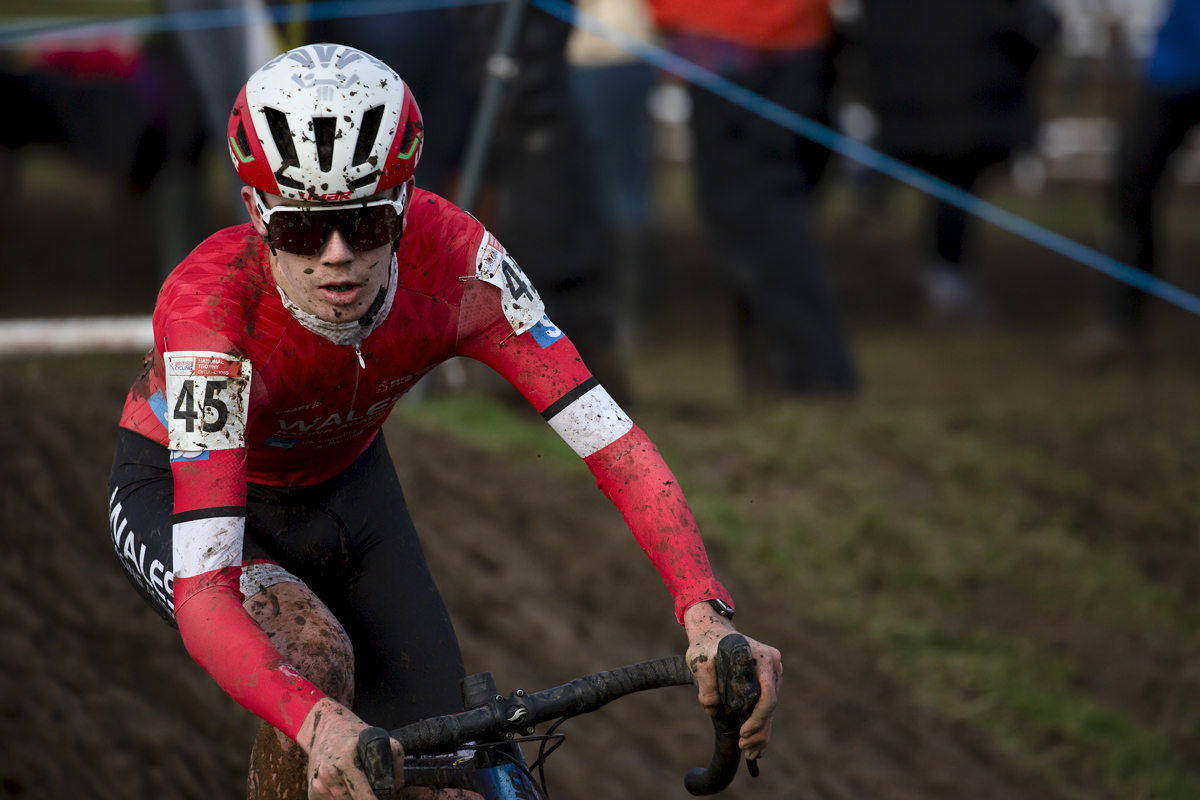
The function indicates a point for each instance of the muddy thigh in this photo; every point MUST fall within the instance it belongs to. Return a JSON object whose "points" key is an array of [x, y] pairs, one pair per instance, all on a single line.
{"points": [[313, 641]]}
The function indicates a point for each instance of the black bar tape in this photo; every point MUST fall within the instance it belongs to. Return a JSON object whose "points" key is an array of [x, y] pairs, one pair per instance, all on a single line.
{"points": [[444, 733], [555, 408], [585, 695], [737, 681], [580, 696], [441, 772]]}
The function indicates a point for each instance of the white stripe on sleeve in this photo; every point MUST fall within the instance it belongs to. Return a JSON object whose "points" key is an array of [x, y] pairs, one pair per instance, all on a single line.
{"points": [[592, 422], [204, 545]]}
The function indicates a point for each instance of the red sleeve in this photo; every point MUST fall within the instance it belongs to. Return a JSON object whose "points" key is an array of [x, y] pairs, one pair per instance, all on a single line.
{"points": [[633, 475], [545, 367], [229, 645], [207, 393]]}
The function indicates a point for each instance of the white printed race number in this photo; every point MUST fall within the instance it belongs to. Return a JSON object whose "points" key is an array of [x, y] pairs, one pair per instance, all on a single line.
{"points": [[521, 303], [208, 396]]}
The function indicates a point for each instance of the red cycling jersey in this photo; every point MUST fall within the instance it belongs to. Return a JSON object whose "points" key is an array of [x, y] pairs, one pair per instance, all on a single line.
{"points": [[240, 390]]}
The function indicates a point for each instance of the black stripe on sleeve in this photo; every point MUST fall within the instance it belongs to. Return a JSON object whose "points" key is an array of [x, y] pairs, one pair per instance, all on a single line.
{"points": [[208, 513], [555, 408]]}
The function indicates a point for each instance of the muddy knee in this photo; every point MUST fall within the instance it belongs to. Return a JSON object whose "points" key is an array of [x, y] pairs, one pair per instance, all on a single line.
{"points": [[307, 634]]}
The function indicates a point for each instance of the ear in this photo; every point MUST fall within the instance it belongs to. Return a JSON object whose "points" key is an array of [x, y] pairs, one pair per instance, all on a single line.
{"points": [[252, 210]]}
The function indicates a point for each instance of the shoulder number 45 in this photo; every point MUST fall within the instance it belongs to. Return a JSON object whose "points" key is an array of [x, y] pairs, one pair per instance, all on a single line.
{"points": [[185, 407]]}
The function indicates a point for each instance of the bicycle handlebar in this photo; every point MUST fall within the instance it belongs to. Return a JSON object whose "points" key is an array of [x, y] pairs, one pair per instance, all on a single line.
{"points": [[520, 712]]}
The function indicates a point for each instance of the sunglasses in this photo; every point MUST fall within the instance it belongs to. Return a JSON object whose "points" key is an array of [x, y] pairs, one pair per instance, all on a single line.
{"points": [[304, 230]]}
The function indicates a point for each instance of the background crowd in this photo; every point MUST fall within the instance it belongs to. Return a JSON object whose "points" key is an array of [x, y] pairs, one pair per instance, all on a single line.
{"points": [[573, 180]]}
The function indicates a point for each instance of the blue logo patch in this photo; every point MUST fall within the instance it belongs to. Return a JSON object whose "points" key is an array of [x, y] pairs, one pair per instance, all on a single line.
{"points": [[188, 455], [158, 404], [286, 444], [544, 333]]}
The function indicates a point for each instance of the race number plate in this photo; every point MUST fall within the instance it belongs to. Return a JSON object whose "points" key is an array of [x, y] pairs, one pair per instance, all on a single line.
{"points": [[521, 303], [208, 396]]}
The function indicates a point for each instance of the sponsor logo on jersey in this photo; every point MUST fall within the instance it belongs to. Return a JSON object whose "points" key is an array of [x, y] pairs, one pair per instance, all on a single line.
{"points": [[284, 444], [158, 404], [544, 333], [156, 578], [297, 426]]}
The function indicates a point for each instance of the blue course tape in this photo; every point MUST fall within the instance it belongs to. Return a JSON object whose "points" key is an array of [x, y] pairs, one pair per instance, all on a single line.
{"points": [[872, 158], [827, 137], [224, 18]]}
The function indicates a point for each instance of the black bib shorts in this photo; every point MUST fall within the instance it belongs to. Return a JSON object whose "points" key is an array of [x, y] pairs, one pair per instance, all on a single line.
{"points": [[350, 540]]}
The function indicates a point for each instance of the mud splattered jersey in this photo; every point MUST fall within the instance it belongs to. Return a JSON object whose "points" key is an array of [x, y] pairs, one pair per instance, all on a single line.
{"points": [[239, 390]]}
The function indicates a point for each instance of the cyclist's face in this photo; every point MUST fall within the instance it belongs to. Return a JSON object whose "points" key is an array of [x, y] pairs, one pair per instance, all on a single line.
{"points": [[337, 284]]}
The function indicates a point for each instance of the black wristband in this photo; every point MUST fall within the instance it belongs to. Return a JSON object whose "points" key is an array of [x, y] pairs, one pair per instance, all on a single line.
{"points": [[721, 607]]}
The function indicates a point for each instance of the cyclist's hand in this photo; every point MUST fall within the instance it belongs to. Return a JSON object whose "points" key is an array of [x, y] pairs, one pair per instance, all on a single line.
{"points": [[705, 630], [330, 735]]}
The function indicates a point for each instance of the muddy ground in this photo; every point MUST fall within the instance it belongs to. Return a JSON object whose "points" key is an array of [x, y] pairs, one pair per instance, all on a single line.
{"points": [[99, 699]]}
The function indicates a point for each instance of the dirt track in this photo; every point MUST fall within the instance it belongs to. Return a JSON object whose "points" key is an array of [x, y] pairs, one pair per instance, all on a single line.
{"points": [[99, 699]]}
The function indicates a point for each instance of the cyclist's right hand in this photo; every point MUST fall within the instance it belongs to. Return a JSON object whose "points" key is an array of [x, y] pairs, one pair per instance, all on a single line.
{"points": [[330, 736]]}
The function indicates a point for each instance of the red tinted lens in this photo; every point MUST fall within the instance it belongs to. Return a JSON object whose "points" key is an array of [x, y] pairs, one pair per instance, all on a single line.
{"points": [[304, 232], [368, 228], [299, 232]]}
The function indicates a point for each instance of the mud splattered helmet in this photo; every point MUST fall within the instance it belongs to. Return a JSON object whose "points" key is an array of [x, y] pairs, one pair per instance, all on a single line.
{"points": [[325, 122]]}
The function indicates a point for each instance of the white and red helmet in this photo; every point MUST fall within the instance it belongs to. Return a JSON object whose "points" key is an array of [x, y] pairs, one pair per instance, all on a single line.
{"points": [[325, 122]]}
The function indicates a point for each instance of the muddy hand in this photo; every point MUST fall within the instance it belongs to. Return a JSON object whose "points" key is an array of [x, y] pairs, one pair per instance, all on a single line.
{"points": [[705, 629], [330, 735]]}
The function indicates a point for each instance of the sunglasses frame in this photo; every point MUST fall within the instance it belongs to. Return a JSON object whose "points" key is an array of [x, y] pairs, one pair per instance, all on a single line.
{"points": [[266, 213]]}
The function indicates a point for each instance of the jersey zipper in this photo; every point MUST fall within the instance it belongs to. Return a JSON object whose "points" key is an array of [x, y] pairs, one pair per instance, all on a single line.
{"points": [[362, 366]]}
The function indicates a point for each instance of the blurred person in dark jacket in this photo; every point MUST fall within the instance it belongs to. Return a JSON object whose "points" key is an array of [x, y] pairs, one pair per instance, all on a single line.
{"points": [[754, 179], [950, 81], [543, 200], [610, 88], [1168, 107]]}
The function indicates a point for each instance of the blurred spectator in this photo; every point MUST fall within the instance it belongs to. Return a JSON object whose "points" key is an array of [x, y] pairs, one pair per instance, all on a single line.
{"points": [[542, 202], [219, 59], [950, 83], [754, 179], [422, 47], [122, 106], [1168, 107], [610, 87]]}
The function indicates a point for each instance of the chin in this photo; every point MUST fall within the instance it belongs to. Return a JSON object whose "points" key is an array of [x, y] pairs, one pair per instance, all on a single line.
{"points": [[347, 316]]}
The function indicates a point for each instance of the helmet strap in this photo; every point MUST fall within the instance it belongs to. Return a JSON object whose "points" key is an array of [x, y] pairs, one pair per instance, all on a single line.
{"points": [[396, 241]]}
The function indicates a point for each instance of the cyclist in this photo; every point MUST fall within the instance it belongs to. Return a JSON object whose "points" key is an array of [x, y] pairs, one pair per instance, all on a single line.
{"points": [[253, 501]]}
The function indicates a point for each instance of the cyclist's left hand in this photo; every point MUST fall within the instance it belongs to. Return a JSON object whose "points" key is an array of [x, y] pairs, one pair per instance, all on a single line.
{"points": [[705, 629]]}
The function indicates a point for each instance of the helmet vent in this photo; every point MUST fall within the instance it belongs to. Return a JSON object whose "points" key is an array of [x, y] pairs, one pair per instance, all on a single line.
{"points": [[366, 180], [366, 135], [282, 134], [408, 137], [324, 129], [243, 142]]}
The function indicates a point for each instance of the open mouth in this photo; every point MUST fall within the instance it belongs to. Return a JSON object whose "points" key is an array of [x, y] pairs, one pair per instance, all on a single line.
{"points": [[341, 294]]}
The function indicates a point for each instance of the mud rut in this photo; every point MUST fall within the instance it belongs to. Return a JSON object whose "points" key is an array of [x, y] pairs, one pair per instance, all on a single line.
{"points": [[99, 699]]}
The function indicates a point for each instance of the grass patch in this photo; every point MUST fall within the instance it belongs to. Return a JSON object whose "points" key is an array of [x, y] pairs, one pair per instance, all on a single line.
{"points": [[483, 422], [1017, 545]]}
